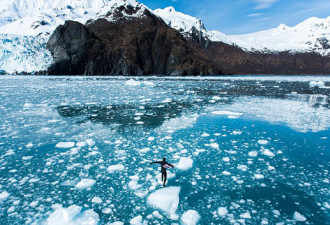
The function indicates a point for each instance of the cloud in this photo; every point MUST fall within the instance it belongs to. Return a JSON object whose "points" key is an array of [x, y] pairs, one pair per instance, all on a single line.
{"points": [[264, 4], [253, 15]]}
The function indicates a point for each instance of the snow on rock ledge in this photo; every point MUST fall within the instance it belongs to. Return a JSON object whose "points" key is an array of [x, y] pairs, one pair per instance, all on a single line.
{"points": [[167, 200]]}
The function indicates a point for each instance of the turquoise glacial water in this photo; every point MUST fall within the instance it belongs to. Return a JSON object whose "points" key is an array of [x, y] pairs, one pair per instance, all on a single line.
{"points": [[259, 148]]}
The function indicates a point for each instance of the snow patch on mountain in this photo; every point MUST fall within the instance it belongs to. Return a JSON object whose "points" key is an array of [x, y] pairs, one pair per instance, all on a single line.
{"points": [[312, 35]]}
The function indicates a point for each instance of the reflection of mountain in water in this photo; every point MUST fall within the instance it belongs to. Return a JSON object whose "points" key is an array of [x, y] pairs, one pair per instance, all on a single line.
{"points": [[147, 115]]}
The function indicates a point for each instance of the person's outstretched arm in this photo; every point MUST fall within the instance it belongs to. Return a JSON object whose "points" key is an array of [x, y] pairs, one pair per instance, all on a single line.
{"points": [[170, 165], [156, 162]]}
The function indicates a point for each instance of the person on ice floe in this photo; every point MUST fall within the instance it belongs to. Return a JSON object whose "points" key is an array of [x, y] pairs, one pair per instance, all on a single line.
{"points": [[164, 165]]}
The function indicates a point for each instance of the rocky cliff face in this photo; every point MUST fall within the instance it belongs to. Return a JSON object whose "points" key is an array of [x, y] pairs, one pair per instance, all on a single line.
{"points": [[135, 46]]}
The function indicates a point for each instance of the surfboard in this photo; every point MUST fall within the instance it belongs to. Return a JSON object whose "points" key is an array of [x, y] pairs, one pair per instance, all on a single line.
{"points": [[167, 166]]}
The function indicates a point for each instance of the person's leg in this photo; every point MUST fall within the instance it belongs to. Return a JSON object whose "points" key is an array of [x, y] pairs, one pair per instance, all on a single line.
{"points": [[165, 176], [162, 175]]}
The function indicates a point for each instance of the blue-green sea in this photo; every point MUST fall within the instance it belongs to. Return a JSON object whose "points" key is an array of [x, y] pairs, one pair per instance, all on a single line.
{"points": [[246, 150]]}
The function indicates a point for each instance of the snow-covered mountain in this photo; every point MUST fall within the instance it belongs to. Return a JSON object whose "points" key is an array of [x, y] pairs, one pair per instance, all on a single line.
{"points": [[25, 26], [312, 35]]}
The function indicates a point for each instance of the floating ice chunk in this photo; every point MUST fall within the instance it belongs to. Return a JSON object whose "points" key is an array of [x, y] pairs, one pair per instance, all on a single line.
{"points": [[242, 167], [116, 223], [141, 193], [114, 168], [151, 138], [297, 216], [81, 144], [185, 163], [65, 145], [205, 135], [237, 132], [72, 216], [191, 217], [226, 159], [97, 200], [259, 176], [68, 183], [90, 142], [222, 211], [253, 153], [106, 210], [245, 215], [262, 142], [4, 195], [132, 82], [148, 83], [85, 183], [34, 204], [226, 173], [217, 98], [136, 220], [214, 145], [133, 185], [144, 150], [166, 199], [231, 115], [267, 152]]}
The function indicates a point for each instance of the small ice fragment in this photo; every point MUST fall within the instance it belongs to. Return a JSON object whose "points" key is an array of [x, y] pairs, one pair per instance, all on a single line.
{"points": [[106, 210], [132, 82], [253, 153], [136, 220], [97, 200], [117, 223], [226, 173], [267, 152], [114, 168], [151, 138], [133, 185], [85, 183], [262, 142], [222, 211], [226, 159], [259, 176], [185, 163], [166, 199], [65, 145], [245, 215], [90, 142], [228, 113], [144, 150], [4, 195], [205, 135], [191, 217], [214, 145], [297, 216]]}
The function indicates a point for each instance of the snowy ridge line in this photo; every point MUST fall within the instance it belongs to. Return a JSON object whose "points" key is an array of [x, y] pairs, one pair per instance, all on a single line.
{"points": [[311, 35]]}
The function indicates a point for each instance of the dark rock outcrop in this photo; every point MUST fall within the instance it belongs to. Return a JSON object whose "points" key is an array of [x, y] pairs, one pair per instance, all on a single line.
{"points": [[135, 46]]}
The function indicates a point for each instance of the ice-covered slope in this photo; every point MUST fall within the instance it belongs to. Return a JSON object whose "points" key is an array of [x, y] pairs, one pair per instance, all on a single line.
{"points": [[23, 54], [312, 34], [21, 21]]}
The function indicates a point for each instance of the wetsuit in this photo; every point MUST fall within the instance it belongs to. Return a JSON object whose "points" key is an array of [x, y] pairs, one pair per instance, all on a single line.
{"points": [[163, 169]]}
